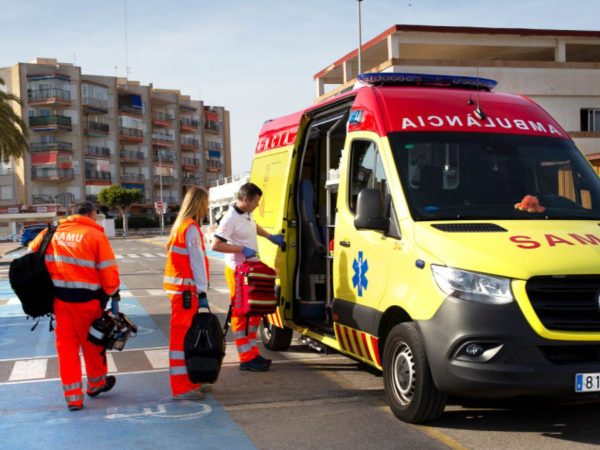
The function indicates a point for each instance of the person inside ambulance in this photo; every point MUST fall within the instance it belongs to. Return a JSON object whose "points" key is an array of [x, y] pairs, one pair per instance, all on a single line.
{"points": [[236, 236], [186, 282], [84, 272]]}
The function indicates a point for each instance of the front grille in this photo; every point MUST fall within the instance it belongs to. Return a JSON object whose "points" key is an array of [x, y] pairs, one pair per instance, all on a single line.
{"points": [[468, 227], [571, 354], [569, 303]]}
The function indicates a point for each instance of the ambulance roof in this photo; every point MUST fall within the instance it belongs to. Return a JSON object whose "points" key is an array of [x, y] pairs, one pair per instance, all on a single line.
{"points": [[434, 103]]}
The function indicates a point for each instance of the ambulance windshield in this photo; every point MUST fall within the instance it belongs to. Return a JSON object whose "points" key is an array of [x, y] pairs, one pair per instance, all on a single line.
{"points": [[450, 176]]}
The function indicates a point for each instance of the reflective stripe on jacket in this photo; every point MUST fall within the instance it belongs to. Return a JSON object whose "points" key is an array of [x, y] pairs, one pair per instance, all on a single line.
{"points": [[178, 271], [80, 260]]}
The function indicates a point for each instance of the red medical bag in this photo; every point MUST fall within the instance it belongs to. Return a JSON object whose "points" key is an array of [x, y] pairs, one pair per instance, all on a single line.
{"points": [[254, 289]]}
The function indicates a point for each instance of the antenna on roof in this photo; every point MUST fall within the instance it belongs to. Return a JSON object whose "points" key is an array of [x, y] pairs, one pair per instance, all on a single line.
{"points": [[126, 44], [478, 111]]}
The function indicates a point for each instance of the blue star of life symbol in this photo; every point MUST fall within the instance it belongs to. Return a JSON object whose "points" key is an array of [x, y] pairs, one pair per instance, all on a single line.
{"points": [[360, 268]]}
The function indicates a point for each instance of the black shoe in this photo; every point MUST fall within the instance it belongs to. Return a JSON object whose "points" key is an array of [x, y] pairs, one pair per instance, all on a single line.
{"points": [[263, 359], [254, 365], [110, 383], [75, 407]]}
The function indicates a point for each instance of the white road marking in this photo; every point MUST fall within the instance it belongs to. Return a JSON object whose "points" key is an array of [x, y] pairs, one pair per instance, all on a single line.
{"points": [[221, 290], [110, 364], [119, 256], [156, 292], [159, 359], [125, 294], [162, 255], [148, 255], [132, 255], [29, 369]]}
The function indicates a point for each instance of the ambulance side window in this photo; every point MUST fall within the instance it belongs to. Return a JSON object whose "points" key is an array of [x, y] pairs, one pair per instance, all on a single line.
{"points": [[366, 171]]}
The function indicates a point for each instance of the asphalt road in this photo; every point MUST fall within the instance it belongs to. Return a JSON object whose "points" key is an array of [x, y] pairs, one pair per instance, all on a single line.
{"points": [[306, 400]]}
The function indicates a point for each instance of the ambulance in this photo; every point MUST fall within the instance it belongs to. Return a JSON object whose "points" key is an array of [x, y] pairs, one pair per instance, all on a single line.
{"points": [[443, 233]]}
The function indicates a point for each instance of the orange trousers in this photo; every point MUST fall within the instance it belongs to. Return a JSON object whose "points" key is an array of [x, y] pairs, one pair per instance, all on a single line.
{"points": [[181, 319], [73, 322], [245, 343]]}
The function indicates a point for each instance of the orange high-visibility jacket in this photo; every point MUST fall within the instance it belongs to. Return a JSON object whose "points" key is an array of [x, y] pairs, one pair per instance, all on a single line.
{"points": [[178, 271], [80, 260]]}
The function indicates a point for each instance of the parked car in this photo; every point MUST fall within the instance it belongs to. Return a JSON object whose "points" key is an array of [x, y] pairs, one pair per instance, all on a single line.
{"points": [[30, 232]]}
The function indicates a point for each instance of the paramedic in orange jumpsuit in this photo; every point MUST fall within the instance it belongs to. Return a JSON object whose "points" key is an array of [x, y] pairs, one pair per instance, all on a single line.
{"points": [[236, 236], [83, 269], [186, 269]]}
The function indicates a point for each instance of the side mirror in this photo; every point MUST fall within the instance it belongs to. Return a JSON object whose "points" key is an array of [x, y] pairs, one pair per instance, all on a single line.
{"points": [[369, 211]]}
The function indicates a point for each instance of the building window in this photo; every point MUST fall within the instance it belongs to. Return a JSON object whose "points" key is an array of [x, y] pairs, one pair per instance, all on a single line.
{"points": [[590, 119], [6, 193]]}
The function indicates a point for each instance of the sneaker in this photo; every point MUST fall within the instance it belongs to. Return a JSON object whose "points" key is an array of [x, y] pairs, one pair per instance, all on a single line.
{"points": [[110, 383], [263, 359], [75, 407], [191, 395], [206, 387], [255, 365]]}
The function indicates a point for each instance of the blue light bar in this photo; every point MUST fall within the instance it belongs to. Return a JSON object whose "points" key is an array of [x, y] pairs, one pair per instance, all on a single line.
{"points": [[425, 79]]}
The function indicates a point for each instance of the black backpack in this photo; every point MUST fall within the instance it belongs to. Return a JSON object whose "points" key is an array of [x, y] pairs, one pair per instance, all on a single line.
{"points": [[204, 348], [30, 280]]}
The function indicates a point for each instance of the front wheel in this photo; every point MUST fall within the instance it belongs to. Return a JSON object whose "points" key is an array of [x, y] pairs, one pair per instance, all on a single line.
{"points": [[409, 387], [275, 338]]}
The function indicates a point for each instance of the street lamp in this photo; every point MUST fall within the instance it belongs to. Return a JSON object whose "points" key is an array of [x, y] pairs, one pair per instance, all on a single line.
{"points": [[359, 38], [162, 216]]}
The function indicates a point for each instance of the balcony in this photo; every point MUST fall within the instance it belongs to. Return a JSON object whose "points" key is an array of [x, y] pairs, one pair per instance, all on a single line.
{"points": [[188, 125], [97, 175], [50, 96], [162, 139], [95, 105], [91, 128], [131, 134], [166, 179], [133, 177], [51, 173], [97, 152], [165, 158], [213, 165], [50, 123], [131, 156], [193, 180], [189, 143], [51, 146], [162, 119], [131, 110], [192, 163], [212, 126], [216, 146]]}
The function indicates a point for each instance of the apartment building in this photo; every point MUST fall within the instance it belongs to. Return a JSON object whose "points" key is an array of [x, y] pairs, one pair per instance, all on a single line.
{"points": [[559, 69], [88, 132]]}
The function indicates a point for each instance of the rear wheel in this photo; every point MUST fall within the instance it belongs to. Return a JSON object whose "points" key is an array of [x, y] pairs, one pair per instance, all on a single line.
{"points": [[275, 338], [409, 387]]}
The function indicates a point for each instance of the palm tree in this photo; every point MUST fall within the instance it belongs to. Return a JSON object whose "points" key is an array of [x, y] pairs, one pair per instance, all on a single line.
{"points": [[13, 129]]}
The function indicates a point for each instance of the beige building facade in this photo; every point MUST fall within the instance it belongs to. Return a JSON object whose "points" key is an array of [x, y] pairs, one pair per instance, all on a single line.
{"points": [[87, 132], [559, 69]]}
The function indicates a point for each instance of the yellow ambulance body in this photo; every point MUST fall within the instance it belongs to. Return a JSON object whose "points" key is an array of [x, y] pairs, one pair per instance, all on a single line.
{"points": [[441, 232]]}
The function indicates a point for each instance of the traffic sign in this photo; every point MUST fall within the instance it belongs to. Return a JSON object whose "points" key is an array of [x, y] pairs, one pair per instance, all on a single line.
{"points": [[160, 207]]}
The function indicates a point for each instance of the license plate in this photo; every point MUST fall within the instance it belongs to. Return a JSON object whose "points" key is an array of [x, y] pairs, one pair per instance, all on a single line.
{"points": [[587, 382]]}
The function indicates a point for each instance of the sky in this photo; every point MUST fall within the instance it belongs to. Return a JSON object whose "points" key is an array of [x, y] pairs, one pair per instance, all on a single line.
{"points": [[257, 58]]}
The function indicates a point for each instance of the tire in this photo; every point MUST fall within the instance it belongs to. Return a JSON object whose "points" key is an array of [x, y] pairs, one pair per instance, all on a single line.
{"points": [[409, 387], [275, 338]]}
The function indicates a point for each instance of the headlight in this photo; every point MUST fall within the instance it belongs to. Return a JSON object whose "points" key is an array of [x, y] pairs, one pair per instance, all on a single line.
{"points": [[473, 286]]}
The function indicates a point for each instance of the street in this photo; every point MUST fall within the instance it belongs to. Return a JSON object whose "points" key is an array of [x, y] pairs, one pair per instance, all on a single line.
{"points": [[306, 400]]}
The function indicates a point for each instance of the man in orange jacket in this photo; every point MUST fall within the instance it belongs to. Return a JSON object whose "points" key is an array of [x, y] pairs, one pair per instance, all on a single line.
{"points": [[82, 266]]}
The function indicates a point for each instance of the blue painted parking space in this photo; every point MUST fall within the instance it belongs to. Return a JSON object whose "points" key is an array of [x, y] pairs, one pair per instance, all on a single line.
{"points": [[138, 413], [18, 341]]}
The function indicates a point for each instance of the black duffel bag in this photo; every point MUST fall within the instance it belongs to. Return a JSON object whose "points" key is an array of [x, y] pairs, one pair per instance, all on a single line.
{"points": [[204, 348]]}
